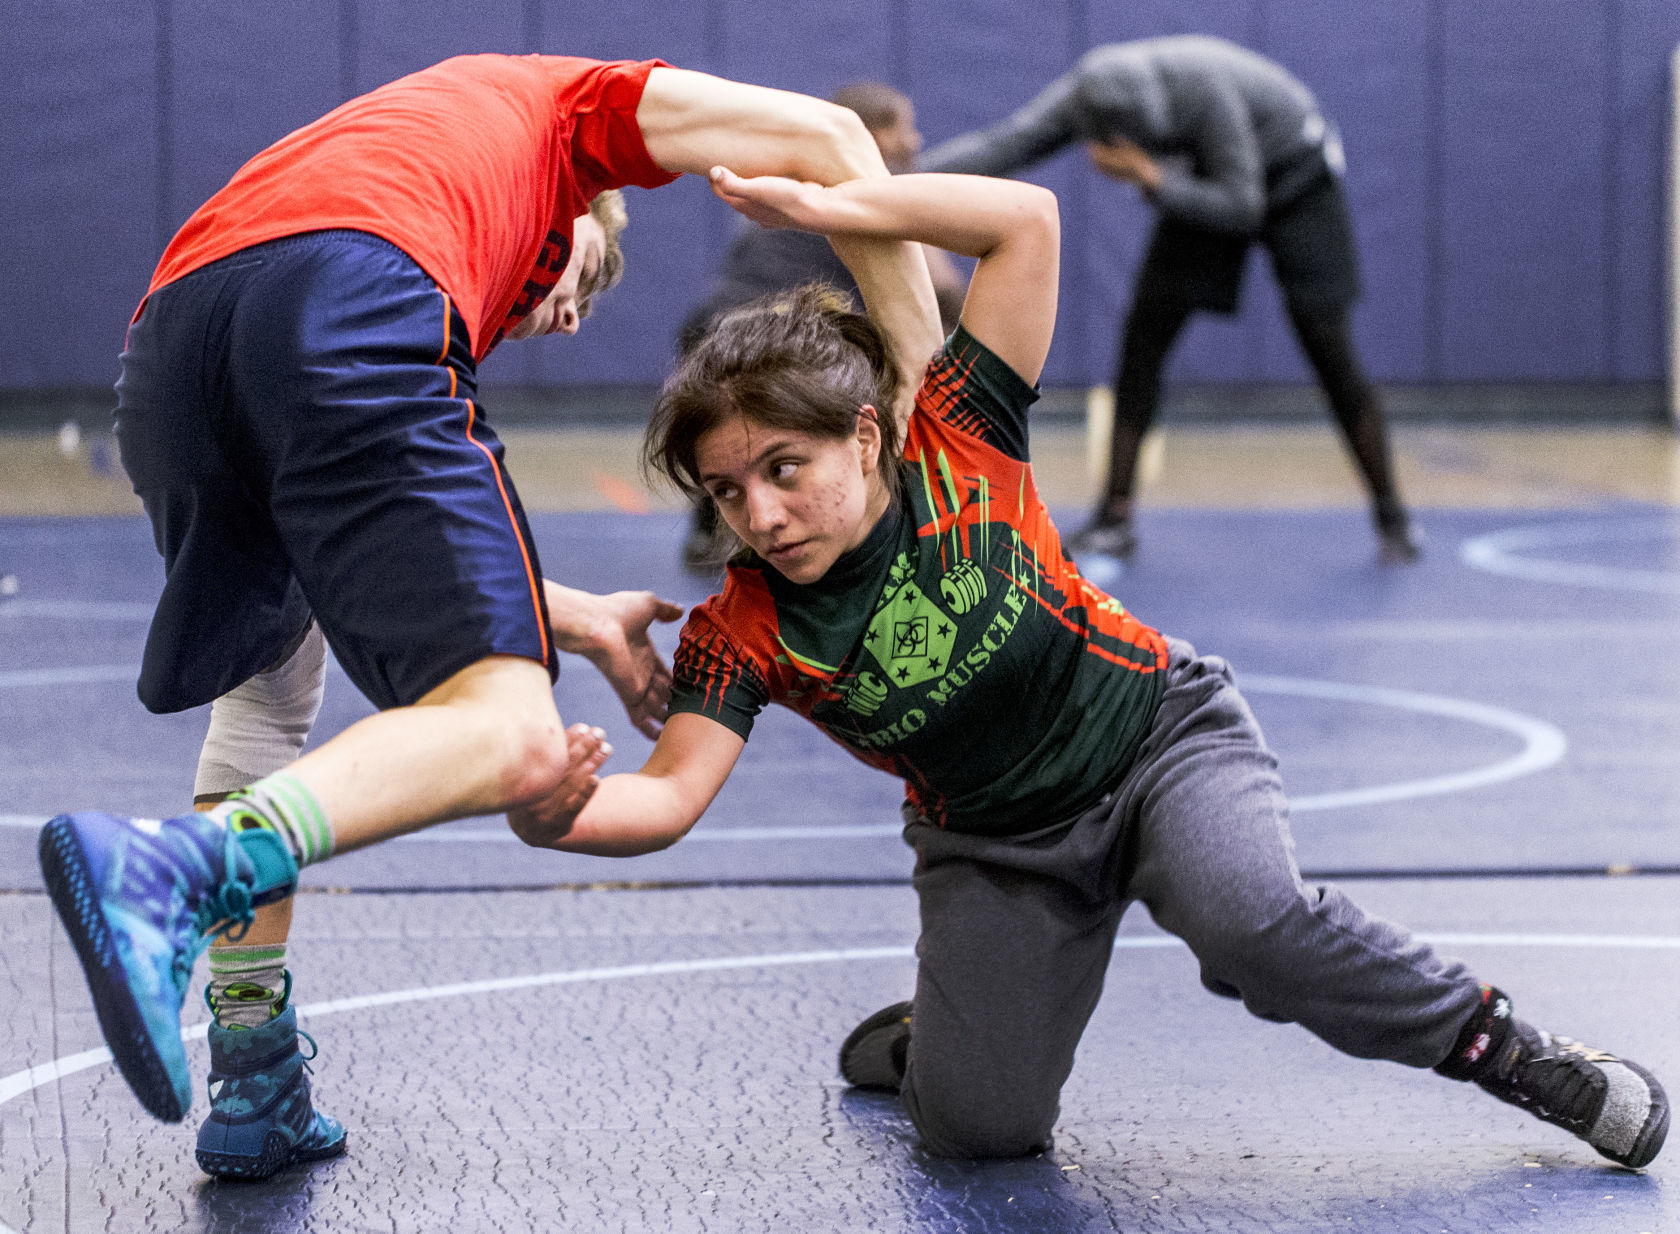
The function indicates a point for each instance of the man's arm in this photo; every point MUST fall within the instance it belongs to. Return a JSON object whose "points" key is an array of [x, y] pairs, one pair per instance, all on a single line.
{"points": [[1032, 133], [892, 278], [949, 286], [692, 122]]}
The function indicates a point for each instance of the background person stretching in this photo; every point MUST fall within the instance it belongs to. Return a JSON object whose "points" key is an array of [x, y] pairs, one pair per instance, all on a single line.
{"points": [[1061, 759], [1230, 149], [298, 412]]}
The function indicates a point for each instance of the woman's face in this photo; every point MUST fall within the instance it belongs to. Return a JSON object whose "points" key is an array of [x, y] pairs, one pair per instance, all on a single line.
{"points": [[796, 499]]}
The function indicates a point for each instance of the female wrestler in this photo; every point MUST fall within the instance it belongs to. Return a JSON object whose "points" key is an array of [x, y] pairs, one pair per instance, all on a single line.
{"points": [[903, 587]]}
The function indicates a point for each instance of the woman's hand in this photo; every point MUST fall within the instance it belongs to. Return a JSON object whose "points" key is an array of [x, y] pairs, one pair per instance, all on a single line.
{"points": [[773, 201], [542, 824]]}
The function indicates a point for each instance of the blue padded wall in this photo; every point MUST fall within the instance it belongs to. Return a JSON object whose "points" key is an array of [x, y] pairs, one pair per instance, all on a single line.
{"points": [[1505, 160], [1522, 214], [1642, 33], [1369, 67], [241, 77], [977, 59], [81, 194]]}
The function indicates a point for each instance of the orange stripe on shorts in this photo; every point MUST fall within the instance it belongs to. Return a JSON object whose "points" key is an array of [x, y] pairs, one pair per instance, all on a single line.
{"points": [[501, 487]]}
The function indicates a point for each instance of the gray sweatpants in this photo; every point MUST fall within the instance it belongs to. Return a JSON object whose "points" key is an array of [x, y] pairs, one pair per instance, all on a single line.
{"points": [[1017, 932]]}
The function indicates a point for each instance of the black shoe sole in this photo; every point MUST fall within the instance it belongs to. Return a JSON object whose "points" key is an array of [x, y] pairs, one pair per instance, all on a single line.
{"points": [[887, 1019], [70, 884], [1113, 540], [1398, 551], [275, 1156]]}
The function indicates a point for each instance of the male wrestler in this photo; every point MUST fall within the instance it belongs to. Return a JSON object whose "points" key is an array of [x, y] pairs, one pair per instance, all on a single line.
{"points": [[298, 411]]}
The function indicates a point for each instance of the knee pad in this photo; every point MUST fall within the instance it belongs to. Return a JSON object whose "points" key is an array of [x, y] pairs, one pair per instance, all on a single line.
{"points": [[260, 726]]}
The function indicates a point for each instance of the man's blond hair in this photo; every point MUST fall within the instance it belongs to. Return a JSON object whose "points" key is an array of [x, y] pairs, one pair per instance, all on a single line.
{"points": [[609, 211]]}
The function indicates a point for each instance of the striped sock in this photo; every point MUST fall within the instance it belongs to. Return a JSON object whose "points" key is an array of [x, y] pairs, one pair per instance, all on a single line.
{"points": [[283, 805], [247, 984]]}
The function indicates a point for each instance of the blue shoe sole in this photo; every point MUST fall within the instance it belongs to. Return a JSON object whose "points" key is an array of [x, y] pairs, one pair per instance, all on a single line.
{"points": [[275, 1156], [71, 885]]}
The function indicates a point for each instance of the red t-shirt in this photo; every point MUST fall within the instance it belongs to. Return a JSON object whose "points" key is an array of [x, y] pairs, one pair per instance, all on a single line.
{"points": [[474, 167]]}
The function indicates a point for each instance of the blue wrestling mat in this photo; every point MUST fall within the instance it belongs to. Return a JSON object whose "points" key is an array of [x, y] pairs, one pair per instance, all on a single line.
{"points": [[527, 1041]]}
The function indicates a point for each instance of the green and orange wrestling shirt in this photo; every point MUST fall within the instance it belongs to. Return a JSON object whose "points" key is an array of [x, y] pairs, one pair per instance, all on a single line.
{"points": [[957, 647]]}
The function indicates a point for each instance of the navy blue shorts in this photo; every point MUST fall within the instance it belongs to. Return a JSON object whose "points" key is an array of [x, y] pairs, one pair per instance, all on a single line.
{"points": [[301, 422]]}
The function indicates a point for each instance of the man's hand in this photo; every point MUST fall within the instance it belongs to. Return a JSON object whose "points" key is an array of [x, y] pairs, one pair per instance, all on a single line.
{"points": [[611, 632], [543, 823], [1120, 159]]}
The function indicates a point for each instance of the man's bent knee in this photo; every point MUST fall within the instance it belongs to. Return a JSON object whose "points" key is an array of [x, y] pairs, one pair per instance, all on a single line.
{"points": [[535, 760], [261, 725], [507, 705]]}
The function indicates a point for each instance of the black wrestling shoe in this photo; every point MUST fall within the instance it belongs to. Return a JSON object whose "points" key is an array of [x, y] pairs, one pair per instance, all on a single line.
{"points": [[1399, 545], [1398, 548], [1105, 538], [709, 544], [1615, 1105], [872, 1056]]}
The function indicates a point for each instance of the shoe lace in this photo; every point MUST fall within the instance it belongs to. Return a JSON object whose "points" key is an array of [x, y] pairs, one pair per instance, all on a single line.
{"points": [[1562, 1077], [226, 912], [280, 1004]]}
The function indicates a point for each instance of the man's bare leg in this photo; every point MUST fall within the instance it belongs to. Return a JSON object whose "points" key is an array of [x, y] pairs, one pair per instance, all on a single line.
{"points": [[488, 739]]}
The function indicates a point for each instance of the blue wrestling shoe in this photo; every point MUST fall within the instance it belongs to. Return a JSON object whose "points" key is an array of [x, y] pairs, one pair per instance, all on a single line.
{"points": [[261, 1118], [141, 899]]}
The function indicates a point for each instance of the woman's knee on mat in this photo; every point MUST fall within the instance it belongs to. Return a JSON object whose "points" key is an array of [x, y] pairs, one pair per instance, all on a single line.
{"points": [[978, 1121]]}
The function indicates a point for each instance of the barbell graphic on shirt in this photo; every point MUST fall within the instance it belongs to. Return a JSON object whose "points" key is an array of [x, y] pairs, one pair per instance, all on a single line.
{"points": [[867, 694], [963, 587]]}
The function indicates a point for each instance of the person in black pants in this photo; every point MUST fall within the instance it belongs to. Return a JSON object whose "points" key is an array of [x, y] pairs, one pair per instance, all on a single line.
{"points": [[1231, 150]]}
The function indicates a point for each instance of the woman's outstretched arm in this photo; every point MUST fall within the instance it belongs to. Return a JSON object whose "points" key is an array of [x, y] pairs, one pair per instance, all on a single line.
{"points": [[643, 811], [1013, 228]]}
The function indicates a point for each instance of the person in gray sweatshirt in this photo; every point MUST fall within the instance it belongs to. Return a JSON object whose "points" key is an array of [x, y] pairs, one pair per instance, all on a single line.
{"points": [[1231, 150]]}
